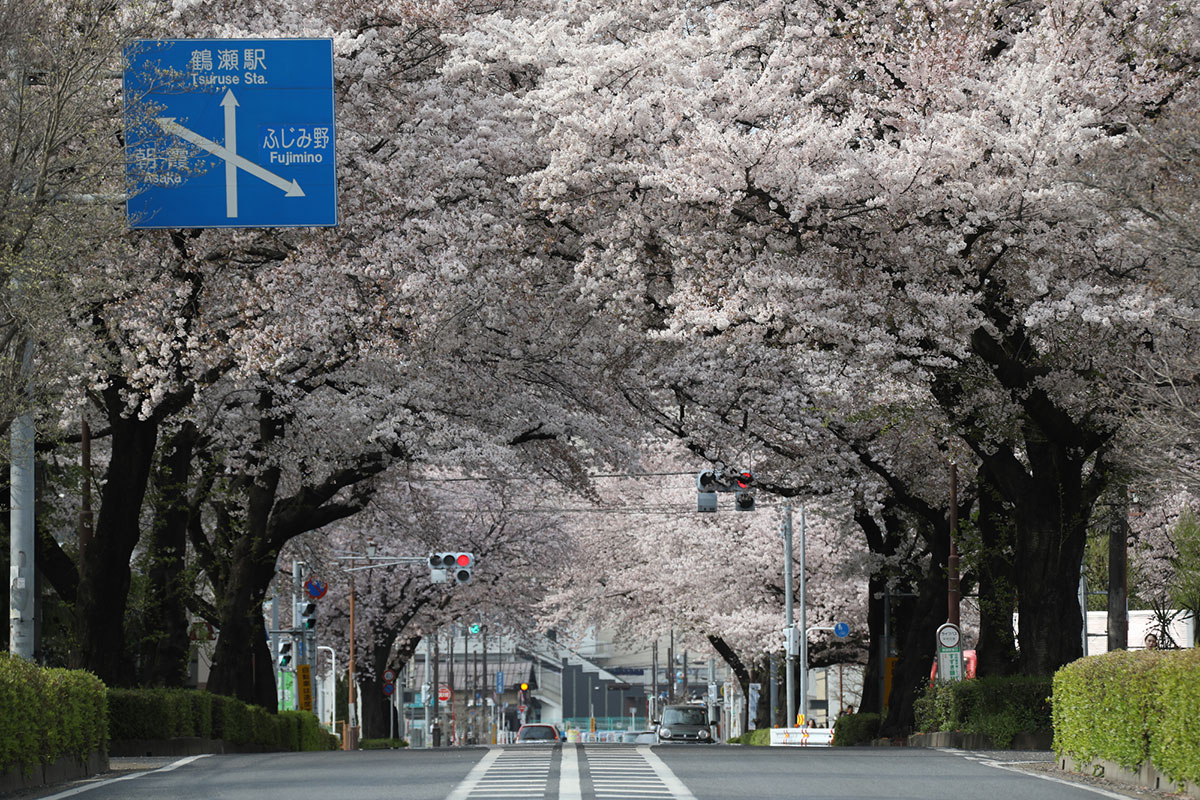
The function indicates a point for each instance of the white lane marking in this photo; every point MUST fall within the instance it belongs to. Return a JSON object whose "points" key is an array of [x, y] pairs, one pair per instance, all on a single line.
{"points": [[568, 774], [474, 776], [998, 765], [678, 790], [88, 787]]}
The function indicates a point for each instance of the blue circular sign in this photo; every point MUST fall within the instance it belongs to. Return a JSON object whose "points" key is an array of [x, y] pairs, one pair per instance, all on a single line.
{"points": [[389, 688], [841, 630]]}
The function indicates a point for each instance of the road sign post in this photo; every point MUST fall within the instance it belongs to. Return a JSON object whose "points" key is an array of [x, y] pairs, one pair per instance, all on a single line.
{"points": [[233, 133]]}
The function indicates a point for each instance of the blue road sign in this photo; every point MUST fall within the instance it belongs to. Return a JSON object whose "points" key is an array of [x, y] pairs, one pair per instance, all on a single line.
{"points": [[499, 681], [234, 133], [841, 630]]}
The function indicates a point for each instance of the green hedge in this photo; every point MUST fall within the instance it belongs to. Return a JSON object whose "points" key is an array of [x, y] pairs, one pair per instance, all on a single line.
{"points": [[381, 744], [855, 729], [760, 737], [1132, 707], [48, 714], [998, 707], [173, 713]]}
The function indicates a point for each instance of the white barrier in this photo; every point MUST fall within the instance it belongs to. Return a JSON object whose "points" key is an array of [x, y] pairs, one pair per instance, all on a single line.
{"points": [[801, 737]]}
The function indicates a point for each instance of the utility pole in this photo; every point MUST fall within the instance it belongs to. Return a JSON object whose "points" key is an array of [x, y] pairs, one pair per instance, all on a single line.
{"points": [[953, 593], [654, 681], [803, 622], [428, 693], [1118, 593], [789, 624], [22, 597]]}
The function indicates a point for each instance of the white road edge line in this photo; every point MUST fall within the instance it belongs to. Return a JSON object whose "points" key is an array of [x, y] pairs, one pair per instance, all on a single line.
{"points": [[568, 774], [474, 776], [678, 790], [89, 786], [998, 765]]}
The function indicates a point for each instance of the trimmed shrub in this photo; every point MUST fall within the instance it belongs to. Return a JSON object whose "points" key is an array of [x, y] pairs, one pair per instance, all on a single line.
{"points": [[381, 744], [48, 714], [22, 698], [1103, 706], [1175, 734], [998, 707], [1149, 705], [855, 729], [173, 713]]}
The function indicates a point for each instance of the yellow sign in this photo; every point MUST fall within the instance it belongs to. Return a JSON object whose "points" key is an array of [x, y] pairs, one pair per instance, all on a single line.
{"points": [[304, 686]]}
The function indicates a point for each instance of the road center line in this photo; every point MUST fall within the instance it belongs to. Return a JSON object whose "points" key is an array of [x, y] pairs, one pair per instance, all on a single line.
{"points": [[568, 774]]}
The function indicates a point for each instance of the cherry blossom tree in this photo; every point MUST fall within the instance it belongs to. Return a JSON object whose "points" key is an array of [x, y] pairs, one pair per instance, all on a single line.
{"points": [[894, 187], [501, 522]]}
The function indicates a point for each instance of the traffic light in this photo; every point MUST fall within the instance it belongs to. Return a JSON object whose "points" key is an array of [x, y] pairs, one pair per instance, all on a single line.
{"points": [[285, 653], [463, 564], [706, 491], [743, 497], [306, 616], [443, 566]]}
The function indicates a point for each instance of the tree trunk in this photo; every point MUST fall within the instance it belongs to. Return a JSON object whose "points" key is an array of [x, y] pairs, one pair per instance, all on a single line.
{"points": [[243, 666], [872, 697], [919, 619], [1052, 502], [739, 671], [996, 649], [166, 646], [104, 568]]}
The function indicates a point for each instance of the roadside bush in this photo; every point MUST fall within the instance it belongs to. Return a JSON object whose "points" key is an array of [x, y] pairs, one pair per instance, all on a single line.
{"points": [[48, 714], [1119, 688], [998, 707], [174, 713], [381, 744], [1148, 702], [855, 729], [1175, 735]]}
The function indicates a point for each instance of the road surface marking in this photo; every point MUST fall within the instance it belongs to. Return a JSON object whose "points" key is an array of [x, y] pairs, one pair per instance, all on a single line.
{"points": [[89, 786]]}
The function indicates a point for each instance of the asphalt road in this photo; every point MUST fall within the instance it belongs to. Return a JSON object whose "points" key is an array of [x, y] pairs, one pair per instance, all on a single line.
{"points": [[587, 772]]}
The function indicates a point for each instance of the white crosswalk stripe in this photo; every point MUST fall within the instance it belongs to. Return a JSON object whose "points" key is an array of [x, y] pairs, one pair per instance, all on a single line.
{"points": [[633, 775], [612, 773], [504, 774]]}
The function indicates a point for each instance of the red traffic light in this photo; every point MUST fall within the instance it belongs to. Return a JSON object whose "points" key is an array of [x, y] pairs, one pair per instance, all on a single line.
{"points": [[464, 560], [745, 479]]}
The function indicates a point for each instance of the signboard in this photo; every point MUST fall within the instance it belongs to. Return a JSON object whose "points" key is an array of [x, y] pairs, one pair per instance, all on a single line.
{"points": [[841, 630], [444, 693], [950, 655], [315, 588], [234, 133], [801, 737], [499, 681], [304, 687]]}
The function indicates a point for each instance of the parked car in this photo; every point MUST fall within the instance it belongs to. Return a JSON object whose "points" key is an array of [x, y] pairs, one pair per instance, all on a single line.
{"points": [[538, 733], [685, 724]]}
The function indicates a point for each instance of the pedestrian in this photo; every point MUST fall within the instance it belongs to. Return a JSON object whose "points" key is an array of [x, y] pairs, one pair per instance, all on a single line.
{"points": [[1151, 641]]}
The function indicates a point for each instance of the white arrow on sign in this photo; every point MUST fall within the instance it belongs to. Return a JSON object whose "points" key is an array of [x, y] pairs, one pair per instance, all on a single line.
{"points": [[229, 103], [228, 152]]}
